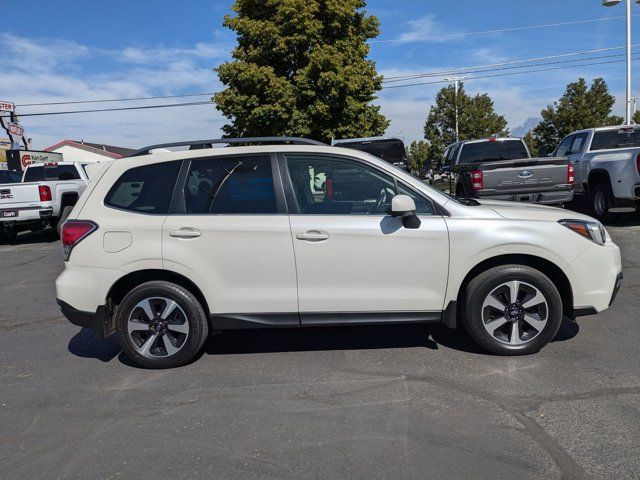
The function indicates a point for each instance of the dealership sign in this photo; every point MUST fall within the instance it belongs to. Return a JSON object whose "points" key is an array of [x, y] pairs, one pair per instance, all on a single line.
{"points": [[20, 159], [7, 106], [15, 129]]}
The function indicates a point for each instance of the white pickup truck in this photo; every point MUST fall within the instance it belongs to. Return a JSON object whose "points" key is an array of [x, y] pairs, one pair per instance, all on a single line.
{"points": [[43, 199], [606, 165]]}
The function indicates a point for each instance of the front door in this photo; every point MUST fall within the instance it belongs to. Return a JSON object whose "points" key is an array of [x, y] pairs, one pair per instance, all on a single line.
{"points": [[351, 256], [230, 235]]}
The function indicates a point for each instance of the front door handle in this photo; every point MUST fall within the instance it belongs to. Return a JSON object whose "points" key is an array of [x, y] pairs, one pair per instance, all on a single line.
{"points": [[313, 236], [185, 233]]}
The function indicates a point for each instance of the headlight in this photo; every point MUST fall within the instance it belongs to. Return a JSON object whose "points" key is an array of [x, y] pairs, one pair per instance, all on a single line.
{"points": [[593, 231]]}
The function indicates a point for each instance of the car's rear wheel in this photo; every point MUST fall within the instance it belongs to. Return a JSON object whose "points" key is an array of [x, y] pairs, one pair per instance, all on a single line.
{"points": [[600, 200], [512, 310], [161, 325]]}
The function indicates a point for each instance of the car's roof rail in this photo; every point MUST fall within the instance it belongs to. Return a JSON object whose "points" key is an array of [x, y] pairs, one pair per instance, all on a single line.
{"points": [[198, 144]]}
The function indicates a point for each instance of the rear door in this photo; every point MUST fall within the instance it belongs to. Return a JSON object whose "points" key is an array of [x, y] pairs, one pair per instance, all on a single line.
{"points": [[229, 233], [352, 257]]}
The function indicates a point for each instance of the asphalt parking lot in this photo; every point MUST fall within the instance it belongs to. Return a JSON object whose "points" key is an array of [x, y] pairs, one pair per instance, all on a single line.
{"points": [[358, 402]]}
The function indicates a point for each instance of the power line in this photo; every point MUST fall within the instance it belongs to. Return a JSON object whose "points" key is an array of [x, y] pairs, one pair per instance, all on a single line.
{"points": [[143, 107], [514, 67], [509, 74], [509, 62], [156, 97], [499, 30], [185, 104], [392, 79]]}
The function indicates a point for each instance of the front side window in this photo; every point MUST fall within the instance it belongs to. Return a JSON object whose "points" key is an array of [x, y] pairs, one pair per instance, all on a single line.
{"points": [[565, 146], [230, 185], [146, 189], [332, 186]]}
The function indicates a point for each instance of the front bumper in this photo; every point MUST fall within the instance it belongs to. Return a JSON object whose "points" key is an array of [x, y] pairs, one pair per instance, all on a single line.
{"points": [[596, 276]]}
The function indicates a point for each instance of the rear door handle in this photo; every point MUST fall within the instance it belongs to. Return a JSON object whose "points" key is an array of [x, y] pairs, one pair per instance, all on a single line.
{"points": [[313, 236], [185, 232]]}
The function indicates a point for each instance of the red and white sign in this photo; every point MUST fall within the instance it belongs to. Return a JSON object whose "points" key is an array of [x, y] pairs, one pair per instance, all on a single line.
{"points": [[27, 157], [15, 129], [7, 106]]}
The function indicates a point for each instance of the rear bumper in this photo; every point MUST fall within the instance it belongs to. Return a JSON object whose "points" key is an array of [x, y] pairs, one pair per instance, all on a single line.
{"points": [[545, 198], [96, 321], [26, 216]]}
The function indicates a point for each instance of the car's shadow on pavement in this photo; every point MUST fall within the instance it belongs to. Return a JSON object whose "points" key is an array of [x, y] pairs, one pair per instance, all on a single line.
{"points": [[86, 344], [30, 238]]}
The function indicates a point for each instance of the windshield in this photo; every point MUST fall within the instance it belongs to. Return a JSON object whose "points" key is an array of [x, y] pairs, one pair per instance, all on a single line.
{"points": [[489, 151], [621, 138]]}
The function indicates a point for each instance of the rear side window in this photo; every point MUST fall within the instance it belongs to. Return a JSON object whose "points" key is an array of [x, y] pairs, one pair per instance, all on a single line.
{"points": [[610, 139], [230, 185], [146, 189], [51, 172], [493, 151]]}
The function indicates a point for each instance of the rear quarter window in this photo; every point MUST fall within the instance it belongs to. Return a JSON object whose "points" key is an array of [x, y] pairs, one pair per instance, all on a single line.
{"points": [[147, 189]]}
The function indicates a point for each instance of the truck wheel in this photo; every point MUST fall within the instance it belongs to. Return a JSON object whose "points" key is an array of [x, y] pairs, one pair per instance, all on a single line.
{"points": [[66, 211], [512, 310], [161, 325], [8, 237], [600, 198]]}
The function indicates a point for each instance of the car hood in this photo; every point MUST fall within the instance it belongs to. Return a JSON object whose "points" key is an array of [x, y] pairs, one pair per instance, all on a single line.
{"points": [[531, 211]]}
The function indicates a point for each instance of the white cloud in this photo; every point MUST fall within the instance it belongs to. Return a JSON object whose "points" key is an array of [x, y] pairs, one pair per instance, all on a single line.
{"points": [[424, 29], [37, 72]]}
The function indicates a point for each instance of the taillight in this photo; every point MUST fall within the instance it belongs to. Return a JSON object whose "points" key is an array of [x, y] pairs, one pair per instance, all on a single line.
{"points": [[45, 193], [476, 180], [638, 163], [570, 176], [74, 231]]}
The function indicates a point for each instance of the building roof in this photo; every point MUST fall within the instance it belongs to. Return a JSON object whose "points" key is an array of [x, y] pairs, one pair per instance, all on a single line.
{"points": [[110, 151]]}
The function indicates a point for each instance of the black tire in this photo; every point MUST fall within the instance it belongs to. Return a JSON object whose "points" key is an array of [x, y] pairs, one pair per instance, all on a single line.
{"points": [[8, 237], [198, 327], [479, 289], [600, 201]]}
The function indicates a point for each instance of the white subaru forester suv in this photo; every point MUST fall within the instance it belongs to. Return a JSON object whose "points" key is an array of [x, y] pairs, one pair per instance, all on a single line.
{"points": [[165, 247]]}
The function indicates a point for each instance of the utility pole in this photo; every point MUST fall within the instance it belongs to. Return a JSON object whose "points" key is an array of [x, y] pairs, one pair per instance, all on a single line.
{"points": [[456, 81]]}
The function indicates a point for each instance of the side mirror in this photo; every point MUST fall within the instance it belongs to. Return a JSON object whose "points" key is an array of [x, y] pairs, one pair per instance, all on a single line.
{"points": [[542, 152], [446, 169], [404, 206]]}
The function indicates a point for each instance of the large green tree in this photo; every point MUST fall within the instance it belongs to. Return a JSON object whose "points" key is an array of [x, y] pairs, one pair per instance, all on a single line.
{"points": [[580, 107], [476, 119], [301, 68]]}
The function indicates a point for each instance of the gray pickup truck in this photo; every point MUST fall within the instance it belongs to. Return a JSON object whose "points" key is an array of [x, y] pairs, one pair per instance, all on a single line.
{"points": [[502, 169]]}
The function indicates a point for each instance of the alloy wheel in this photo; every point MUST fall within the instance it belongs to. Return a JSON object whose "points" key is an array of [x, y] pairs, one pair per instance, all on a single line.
{"points": [[157, 327], [515, 313]]}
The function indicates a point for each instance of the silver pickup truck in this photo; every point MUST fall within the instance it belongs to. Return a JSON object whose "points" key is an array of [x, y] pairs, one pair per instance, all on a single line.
{"points": [[502, 169], [607, 168]]}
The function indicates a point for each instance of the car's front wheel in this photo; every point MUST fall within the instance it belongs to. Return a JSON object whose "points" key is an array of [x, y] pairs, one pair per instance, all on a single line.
{"points": [[161, 325], [512, 310]]}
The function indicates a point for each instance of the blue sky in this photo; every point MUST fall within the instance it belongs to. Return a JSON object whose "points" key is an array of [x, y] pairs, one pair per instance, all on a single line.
{"points": [[77, 50]]}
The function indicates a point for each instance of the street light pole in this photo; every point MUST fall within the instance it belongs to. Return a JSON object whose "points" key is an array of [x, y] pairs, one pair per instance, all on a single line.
{"points": [[456, 81], [629, 115], [611, 3]]}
